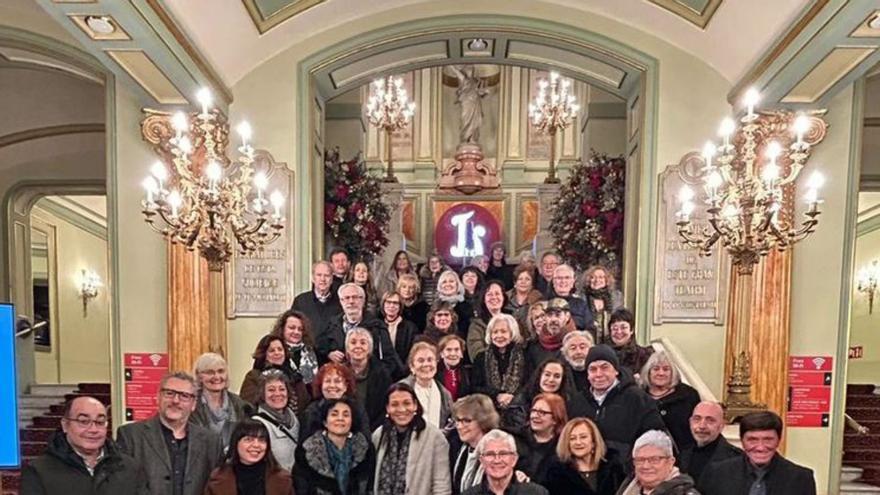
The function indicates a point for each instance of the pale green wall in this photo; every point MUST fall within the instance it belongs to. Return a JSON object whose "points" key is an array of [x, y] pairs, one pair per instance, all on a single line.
{"points": [[77, 249], [865, 327]]}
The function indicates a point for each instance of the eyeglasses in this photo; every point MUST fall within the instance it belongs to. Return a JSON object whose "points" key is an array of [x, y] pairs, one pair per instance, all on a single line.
{"points": [[85, 422], [170, 394], [464, 421], [542, 412], [650, 461], [503, 454], [394, 303]]}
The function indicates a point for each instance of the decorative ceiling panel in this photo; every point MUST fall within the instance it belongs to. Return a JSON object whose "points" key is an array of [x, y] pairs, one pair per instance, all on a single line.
{"points": [[267, 14], [588, 67], [118, 34], [139, 66], [865, 30], [376, 64], [697, 12], [836, 65]]}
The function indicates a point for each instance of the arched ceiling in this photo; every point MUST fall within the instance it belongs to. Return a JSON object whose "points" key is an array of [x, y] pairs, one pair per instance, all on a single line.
{"points": [[230, 38]]}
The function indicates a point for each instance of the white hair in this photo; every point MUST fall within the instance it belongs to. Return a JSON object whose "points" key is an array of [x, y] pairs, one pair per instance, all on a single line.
{"points": [[563, 267], [208, 360], [654, 438], [495, 436], [362, 332], [655, 360], [515, 334], [573, 335], [350, 284]]}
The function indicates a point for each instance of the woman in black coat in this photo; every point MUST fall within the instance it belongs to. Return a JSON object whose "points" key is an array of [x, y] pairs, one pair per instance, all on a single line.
{"points": [[337, 459], [675, 400], [583, 465], [333, 381], [501, 370], [402, 332]]}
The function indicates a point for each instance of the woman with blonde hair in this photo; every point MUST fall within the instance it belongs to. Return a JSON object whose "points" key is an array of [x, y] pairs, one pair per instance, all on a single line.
{"points": [[597, 288], [412, 307], [583, 464]]}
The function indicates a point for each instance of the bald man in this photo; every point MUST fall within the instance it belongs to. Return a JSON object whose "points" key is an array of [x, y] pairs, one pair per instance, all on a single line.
{"points": [[707, 423], [81, 459]]}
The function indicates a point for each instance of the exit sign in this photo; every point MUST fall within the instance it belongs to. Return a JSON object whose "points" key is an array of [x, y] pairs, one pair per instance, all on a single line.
{"points": [[856, 352]]}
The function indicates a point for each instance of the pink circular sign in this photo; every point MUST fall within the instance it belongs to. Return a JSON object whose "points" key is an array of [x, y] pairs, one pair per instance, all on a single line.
{"points": [[464, 231]]}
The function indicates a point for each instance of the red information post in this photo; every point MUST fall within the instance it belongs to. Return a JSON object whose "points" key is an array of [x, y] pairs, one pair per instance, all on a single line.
{"points": [[809, 391], [143, 372]]}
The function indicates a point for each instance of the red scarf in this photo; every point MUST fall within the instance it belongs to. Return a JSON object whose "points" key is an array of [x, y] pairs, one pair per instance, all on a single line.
{"points": [[550, 342]]}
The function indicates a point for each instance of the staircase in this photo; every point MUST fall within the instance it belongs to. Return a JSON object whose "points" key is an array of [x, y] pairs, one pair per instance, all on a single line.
{"points": [[861, 453], [39, 414]]}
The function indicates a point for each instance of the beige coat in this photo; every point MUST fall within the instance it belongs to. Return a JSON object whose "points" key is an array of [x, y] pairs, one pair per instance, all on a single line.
{"points": [[427, 465]]}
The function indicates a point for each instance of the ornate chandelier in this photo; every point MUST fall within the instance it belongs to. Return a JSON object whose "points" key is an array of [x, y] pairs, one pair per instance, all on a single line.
{"points": [[868, 281], [745, 198], [205, 202], [553, 111], [388, 109]]}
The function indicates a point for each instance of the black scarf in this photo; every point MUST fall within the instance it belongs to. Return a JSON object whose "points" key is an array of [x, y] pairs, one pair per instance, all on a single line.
{"points": [[250, 480]]}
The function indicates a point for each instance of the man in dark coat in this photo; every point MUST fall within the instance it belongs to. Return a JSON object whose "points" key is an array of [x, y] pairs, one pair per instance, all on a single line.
{"points": [[178, 456], [544, 281], [706, 423], [341, 263], [498, 456], [563, 287], [81, 459], [619, 407], [761, 470], [320, 304], [655, 470]]}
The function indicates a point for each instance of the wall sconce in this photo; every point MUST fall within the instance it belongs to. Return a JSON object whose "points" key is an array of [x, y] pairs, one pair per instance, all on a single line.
{"points": [[88, 288], [868, 279]]}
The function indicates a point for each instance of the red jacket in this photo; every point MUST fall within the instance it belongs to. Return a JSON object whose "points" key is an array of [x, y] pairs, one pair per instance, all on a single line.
{"points": [[222, 482]]}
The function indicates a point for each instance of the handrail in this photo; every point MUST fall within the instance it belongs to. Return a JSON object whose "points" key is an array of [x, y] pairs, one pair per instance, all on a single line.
{"points": [[855, 425], [688, 373]]}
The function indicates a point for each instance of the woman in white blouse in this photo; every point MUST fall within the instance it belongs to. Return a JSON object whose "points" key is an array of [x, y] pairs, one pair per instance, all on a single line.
{"points": [[435, 399]]}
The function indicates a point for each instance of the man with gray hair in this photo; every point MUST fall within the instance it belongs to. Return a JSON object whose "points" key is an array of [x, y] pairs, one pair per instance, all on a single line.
{"points": [[319, 304], [655, 471], [331, 345], [177, 456], [575, 346], [497, 454], [563, 287]]}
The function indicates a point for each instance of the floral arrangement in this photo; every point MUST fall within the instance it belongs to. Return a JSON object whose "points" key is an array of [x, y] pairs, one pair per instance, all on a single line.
{"points": [[356, 218], [587, 223]]}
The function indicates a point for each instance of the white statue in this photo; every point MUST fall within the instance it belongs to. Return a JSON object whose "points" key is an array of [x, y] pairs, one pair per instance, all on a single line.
{"points": [[471, 90]]}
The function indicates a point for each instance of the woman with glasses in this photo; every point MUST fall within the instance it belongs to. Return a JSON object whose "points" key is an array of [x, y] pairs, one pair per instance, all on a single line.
{"points": [[274, 411], [413, 308], [442, 321], [492, 301], [333, 381], [630, 354], [453, 374], [412, 456], [337, 459], [474, 415], [435, 399], [272, 354], [249, 467], [584, 464], [549, 378], [294, 327], [537, 444], [402, 332], [359, 273], [500, 371], [217, 408], [675, 400]]}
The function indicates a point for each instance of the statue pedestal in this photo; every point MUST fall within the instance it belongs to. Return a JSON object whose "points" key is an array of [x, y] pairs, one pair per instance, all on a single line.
{"points": [[469, 174], [546, 193]]}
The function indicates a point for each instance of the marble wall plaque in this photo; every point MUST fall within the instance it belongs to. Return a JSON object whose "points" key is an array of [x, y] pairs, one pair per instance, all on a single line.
{"points": [[687, 287], [261, 284]]}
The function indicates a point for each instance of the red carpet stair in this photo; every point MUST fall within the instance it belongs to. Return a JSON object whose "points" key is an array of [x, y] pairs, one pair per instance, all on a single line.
{"points": [[863, 451], [39, 415]]}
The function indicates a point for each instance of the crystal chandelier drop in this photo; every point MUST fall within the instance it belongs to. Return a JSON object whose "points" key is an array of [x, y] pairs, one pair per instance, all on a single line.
{"points": [[745, 187], [388, 109], [207, 201], [553, 110]]}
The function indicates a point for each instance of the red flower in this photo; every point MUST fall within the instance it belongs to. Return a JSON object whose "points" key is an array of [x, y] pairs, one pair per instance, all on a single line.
{"points": [[329, 212], [589, 210], [342, 192]]}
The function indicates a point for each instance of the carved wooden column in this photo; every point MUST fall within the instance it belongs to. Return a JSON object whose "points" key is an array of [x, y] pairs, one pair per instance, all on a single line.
{"points": [[188, 307]]}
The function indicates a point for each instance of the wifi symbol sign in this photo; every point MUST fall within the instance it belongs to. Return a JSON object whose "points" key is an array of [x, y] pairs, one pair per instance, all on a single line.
{"points": [[818, 362], [155, 358]]}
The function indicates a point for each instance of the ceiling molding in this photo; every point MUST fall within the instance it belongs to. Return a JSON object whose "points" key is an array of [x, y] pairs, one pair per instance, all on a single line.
{"points": [[699, 17], [49, 131], [264, 22], [141, 68], [833, 67]]}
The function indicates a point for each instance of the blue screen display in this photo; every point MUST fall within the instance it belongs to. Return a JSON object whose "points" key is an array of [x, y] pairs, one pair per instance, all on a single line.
{"points": [[9, 449]]}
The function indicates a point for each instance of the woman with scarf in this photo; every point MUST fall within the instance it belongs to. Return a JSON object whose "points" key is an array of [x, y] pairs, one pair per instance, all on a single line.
{"points": [[359, 273], [442, 321], [217, 408], [500, 370], [295, 328], [429, 275], [523, 294], [400, 266], [413, 308], [272, 354], [452, 372], [475, 415], [274, 411], [249, 467], [631, 355], [412, 456], [451, 291], [333, 381], [402, 332], [435, 399], [370, 375], [492, 302], [338, 459], [537, 444], [675, 400], [549, 378], [602, 299], [584, 464]]}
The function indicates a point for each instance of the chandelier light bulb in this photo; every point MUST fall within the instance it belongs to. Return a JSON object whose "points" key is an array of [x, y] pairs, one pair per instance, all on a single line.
{"points": [[709, 150], [685, 194], [554, 76], [816, 180], [244, 130], [774, 149], [714, 180], [277, 200], [726, 129], [205, 99], [185, 145], [729, 211], [751, 98], [179, 123], [770, 172], [159, 171], [214, 173], [261, 181], [575, 108], [687, 208], [801, 127], [151, 187], [812, 197], [174, 201]]}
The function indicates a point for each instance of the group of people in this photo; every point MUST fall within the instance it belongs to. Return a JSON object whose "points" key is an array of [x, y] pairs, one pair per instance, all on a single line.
{"points": [[493, 379]]}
